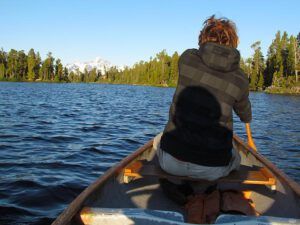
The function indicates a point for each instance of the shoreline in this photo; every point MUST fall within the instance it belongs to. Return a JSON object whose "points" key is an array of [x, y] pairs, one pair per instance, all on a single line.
{"points": [[295, 90], [270, 90]]}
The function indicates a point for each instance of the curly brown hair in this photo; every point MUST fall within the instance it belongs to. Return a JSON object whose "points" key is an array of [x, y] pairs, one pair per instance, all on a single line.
{"points": [[221, 31]]}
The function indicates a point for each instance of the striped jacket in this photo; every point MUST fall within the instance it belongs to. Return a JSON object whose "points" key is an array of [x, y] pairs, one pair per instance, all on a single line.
{"points": [[210, 86]]}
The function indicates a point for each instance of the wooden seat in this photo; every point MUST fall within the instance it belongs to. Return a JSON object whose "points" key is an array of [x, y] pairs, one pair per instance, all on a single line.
{"points": [[245, 175]]}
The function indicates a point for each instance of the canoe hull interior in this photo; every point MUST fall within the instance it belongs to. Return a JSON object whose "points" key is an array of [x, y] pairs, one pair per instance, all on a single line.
{"points": [[110, 190]]}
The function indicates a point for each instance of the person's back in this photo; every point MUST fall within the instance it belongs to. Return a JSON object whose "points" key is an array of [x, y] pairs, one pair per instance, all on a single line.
{"points": [[198, 135]]}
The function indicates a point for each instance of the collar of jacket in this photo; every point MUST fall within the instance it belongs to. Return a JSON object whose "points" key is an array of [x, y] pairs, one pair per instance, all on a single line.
{"points": [[220, 57]]}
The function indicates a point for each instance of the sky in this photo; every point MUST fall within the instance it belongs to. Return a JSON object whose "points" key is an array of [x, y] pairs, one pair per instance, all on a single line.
{"points": [[127, 31]]}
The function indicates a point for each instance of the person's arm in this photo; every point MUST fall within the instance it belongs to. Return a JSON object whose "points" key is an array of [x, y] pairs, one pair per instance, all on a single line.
{"points": [[242, 107]]}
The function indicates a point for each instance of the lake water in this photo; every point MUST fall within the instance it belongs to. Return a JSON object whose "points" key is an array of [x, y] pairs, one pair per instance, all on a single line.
{"points": [[55, 139]]}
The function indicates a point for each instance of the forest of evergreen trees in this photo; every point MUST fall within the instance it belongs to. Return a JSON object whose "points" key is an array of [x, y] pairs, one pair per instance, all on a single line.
{"points": [[278, 69], [281, 66], [162, 70], [17, 66]]}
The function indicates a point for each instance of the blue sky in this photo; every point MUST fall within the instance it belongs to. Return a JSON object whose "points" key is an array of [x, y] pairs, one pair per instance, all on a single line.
{"points": [[127, 31]]}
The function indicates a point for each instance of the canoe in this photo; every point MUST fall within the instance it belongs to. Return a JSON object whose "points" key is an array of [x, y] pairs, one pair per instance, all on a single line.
{"points": [[130, 193]]}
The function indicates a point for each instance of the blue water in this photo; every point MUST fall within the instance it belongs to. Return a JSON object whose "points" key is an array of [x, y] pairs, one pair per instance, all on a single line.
{"points": [[55, 139]]}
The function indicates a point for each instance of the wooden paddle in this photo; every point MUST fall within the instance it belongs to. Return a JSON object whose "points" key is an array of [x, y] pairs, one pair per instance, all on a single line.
{"points": [[250, 140]]}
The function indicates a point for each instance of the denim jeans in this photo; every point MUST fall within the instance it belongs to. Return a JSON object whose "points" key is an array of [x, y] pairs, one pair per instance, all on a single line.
{"points": [[177, 167]]}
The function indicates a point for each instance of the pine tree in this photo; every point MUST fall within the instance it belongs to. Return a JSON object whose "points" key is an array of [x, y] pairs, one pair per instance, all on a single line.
{"points": [[31, 63], [42, 72], [257, 79], [58, 71], [270, 65], [284, 53], [260, 83], [3, 64], [2, 71], [66, 74], [46, 71], [85, 75], [50, 66], [162, 70], [297, 56], [12, 60], [290, 60], [278, 57], [37, 67], [93, 75], [174, 69], [71, 76], [22, 66]]}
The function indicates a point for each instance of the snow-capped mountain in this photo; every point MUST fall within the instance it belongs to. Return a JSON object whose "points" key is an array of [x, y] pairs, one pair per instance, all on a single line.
{"points": [[98, 63]]}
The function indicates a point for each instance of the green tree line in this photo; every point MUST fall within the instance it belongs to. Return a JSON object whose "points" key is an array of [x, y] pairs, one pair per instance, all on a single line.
{"points": [[280, 67], [161, 70], [19, 66], [277, 69]]}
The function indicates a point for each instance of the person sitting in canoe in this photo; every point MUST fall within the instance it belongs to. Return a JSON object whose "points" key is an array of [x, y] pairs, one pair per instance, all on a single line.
{"points": [[197, 140]]}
